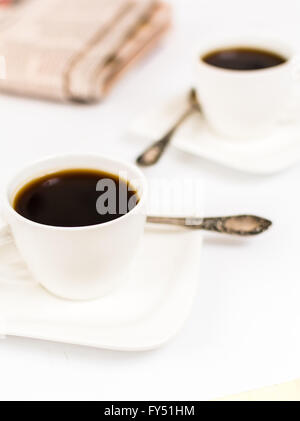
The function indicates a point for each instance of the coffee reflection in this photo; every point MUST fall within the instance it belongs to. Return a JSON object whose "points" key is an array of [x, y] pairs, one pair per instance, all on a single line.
{"points": [[243, 58], [75, 198]]}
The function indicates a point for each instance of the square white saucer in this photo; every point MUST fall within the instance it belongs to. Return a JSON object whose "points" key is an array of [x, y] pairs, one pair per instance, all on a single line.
{"points": [[266, 155], [142, 314]]}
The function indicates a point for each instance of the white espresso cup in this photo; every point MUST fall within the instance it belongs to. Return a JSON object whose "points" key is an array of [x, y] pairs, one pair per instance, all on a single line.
{"points": [[78, 263], [244, 103]]}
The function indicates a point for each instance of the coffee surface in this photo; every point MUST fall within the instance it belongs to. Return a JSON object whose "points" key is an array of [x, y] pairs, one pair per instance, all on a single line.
{"points": [[70, 198], [242, 58]]}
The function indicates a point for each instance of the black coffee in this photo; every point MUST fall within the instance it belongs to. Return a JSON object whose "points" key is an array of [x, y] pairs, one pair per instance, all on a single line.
{"points": [[242, 58], [75, 198]]}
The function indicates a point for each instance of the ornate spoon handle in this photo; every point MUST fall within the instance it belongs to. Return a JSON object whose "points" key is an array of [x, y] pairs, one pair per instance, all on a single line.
{"points": [[242, 225]]}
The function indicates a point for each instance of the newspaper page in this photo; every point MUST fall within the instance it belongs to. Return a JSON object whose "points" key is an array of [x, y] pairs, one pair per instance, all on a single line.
{"points": [[74, 49]]}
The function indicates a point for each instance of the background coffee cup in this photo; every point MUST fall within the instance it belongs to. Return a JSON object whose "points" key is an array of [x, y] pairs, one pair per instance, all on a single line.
{"points": [[244, 103], [78, 263]]}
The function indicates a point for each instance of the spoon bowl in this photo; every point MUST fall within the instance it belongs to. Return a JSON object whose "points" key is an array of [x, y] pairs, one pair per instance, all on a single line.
{"points": [[154, 152]]}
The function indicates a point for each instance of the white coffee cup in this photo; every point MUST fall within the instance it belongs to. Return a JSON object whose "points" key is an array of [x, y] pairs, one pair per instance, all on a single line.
{"points": [[78, 263], [244, 103]]}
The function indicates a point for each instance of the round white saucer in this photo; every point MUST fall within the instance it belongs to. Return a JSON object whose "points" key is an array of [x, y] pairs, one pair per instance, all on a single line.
{"points": [[142, 314], [266, 155]]}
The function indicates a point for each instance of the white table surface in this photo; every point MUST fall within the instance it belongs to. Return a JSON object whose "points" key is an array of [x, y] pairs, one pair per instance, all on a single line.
{"points": [[244, 331]]}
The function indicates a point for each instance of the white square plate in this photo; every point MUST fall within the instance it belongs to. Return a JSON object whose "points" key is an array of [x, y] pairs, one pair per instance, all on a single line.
{"points": [[143, 314], [266, 155]]}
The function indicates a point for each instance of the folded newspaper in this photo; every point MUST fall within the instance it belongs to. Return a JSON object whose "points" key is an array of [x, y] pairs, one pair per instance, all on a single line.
{"points": [[75, 49]]}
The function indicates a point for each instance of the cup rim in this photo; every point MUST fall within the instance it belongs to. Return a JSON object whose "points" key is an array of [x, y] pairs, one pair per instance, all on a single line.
{"points": [[140, 176], [252, 42]]}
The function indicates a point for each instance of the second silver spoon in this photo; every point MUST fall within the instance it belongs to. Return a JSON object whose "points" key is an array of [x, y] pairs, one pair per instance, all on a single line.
{"points": [[153, 153]]}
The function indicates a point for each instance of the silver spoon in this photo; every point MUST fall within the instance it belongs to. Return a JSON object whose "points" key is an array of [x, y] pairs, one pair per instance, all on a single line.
{"points": [[153, 153], [243, 225]]}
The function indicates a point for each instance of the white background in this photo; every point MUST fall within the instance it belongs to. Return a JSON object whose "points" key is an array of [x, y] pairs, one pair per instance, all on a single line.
{"points": [[244, 330]]}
